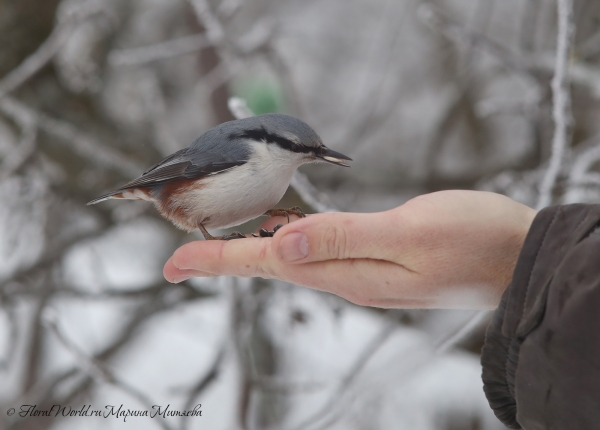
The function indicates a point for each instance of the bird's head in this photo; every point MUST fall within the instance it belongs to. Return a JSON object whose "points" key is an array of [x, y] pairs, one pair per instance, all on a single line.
{"points": [[291, 135]]}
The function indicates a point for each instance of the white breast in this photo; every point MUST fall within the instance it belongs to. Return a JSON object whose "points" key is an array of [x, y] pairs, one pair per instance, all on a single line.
{"points": [[245, 192]]}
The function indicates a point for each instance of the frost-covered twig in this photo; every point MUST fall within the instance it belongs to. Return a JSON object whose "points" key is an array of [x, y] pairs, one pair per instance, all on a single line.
{"points": [[47, 49], [439, 22], [80, 142], [159, 51], [452, 339], [233, 54], [318, 200], [7, 356], [561, 109], [204, 382], [355, 370], [88, 364], [328, 413], [276, 384], [591, 46], [238, 108], [28, 124], [93, 367], [156, 108], [579, 175], [214, 30]]}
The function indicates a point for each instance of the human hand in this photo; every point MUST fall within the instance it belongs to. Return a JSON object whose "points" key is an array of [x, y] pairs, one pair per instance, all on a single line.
{"points": [[450, 249]]}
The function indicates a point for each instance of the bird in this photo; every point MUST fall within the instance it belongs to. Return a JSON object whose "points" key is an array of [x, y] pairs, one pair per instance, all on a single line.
{"points": [[234, 172]]}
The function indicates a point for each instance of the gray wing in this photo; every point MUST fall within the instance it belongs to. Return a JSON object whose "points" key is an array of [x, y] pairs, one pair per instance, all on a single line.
{"points": [[180, 165]]}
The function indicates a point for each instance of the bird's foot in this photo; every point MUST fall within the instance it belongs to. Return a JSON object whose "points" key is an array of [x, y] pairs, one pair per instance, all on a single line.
{"points": [[230, 236], [266, 233], [296, 210], [233, 235]]}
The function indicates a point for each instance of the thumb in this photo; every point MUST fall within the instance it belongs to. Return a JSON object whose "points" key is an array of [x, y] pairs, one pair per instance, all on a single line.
{"points": [[334, 236]]}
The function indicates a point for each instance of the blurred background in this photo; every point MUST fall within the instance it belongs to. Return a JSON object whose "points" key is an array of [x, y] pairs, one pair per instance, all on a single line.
{"points": [[424, 95]]}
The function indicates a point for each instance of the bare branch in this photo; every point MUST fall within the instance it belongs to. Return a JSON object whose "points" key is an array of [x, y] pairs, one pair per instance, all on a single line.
{"points": [[359, 364], [454, 338], [159, 51], [579, 175], [11, 346], [591, 46], [561, 111], [26, 121], [203, 384], [328, 413], [83, 144], [94, 368], [318, 200], [285, 386], [156, 106], [88, 364], [437, 21], [48, 49], [228, 8], [232, 55], [214, 30]]}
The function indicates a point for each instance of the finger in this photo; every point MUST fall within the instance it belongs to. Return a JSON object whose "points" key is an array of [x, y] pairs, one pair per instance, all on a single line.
{"points": [[385, 284], [176, 275], [335, 236], [366, 236], [242, 257], [361, 281]]}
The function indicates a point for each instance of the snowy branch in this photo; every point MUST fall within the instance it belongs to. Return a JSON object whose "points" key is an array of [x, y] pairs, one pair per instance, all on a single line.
{"points": [[93, 367], [453, 338], [580, 176], [561, 109], [238, 107], [330, 407]]}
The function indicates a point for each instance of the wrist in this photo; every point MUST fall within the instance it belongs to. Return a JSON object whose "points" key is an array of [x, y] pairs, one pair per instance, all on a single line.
{"points": [[519, 229]]}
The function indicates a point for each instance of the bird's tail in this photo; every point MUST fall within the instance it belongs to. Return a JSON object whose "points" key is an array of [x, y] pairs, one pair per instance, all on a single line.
{"points": [[127, 193], [111, 195]]}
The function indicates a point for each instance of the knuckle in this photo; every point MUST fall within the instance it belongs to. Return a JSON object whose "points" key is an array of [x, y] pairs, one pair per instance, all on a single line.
{"points": [[263, 253], [262, 267], [335, 242]]}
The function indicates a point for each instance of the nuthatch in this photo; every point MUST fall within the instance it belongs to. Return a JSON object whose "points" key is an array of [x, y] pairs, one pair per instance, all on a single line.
{"points": [[231, 174]]}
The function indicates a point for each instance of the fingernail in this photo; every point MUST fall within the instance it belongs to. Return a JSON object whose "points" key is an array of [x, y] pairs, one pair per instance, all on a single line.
{"points": [[179, 279], [293, 247]]}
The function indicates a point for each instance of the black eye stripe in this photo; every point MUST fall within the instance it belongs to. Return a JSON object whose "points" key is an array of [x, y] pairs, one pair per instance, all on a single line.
{"points": [[262, 134]]}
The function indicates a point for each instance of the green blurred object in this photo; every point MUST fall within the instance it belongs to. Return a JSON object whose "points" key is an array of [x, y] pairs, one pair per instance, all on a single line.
{"points": [[262, 95]]}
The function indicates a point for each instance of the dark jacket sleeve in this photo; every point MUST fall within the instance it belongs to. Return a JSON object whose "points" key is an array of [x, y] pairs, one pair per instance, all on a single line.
{"points": [[541, 357]]}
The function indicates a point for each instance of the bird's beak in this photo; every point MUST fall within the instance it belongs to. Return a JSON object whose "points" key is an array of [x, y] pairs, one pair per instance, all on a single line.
{"points": [[333, 157]]}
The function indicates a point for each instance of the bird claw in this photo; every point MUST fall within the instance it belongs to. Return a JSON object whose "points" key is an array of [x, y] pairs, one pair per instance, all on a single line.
{"points": [[265, 233], [234, 235], [296, 210]]}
